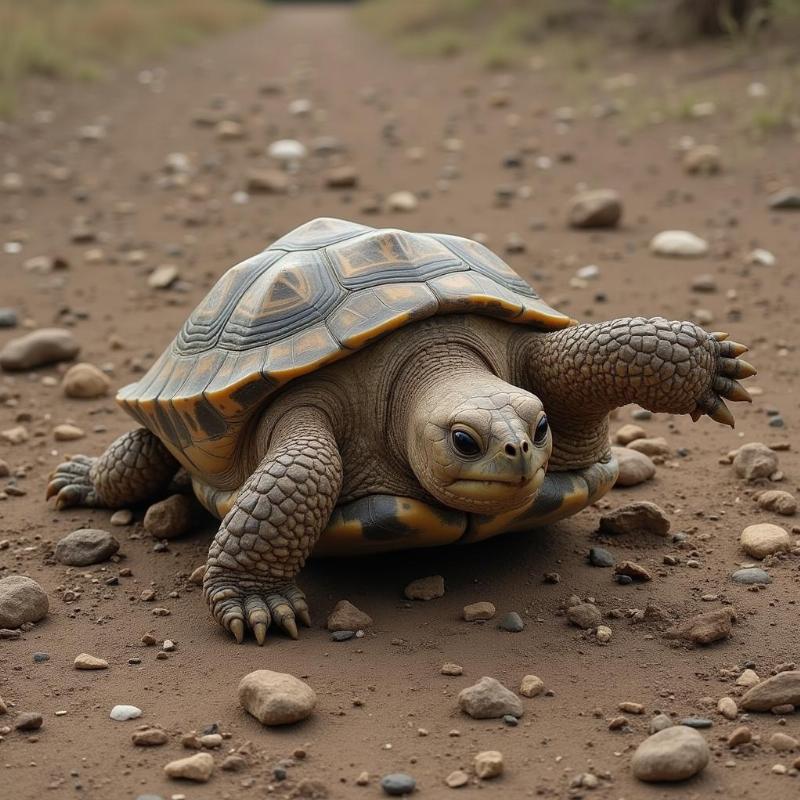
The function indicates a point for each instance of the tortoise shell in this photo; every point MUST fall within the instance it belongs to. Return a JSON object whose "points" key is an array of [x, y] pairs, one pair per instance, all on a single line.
{"points": [[316, 295]]}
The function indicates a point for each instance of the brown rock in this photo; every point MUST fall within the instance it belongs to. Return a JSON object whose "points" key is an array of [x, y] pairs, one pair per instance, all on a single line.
{"points": [[780, 689], [169, 518], [479, 611], [632, 570], [634, 467], [584, 615], [346, 617], [629, 433], [276, 698], [85, 661], [783, 743], [344, 177], [778, 501], [641, 516], [651, 447], [595, 208], [712, 626], [763, 539], [149, 737], [425, 588], [198, 768], [85, 381], [739, 735], [267, 181]]}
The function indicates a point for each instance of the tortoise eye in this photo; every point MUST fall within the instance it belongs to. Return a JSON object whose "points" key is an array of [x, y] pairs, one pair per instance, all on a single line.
{"points": [[540, 434], [465, 444]]}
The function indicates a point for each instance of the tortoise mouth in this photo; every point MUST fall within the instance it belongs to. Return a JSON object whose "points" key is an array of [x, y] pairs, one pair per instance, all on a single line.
{"points": [[501, 490]]}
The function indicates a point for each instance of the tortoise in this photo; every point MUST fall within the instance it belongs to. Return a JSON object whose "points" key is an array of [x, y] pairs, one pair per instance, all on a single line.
{"points": [[351, 390]]}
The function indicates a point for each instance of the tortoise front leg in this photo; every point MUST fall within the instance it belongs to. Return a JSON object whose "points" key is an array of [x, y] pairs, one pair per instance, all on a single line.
{"points": [[582, 373], [272, 527]]}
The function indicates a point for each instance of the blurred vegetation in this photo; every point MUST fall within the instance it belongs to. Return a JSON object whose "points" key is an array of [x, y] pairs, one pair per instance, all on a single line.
{"points": [[500, 32], [81, 38]]}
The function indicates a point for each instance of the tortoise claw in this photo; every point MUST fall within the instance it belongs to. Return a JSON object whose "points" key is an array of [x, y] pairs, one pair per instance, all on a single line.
{"points": [[236, 627], [290, 626], [720, 336], [304, 616], [696, 414], [732, 349], [722, 414], [732, 389], [260, 632]]}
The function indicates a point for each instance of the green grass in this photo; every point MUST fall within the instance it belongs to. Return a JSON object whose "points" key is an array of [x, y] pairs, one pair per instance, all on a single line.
{"points": [[80, 38]]}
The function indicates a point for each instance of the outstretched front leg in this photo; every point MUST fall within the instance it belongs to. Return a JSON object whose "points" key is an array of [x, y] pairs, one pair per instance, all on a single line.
{"points": [[270, 531], [582, 373]]}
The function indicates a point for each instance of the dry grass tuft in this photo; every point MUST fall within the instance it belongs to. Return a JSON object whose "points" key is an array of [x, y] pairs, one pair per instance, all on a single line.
{"points": [[78, 38]]}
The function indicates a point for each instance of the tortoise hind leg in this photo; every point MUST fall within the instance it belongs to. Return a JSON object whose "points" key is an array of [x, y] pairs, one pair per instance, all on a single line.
{"points": [[134, 468]]}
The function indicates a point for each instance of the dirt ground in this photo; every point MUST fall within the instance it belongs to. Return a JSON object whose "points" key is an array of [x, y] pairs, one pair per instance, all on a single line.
{"points": [[376, 692]]}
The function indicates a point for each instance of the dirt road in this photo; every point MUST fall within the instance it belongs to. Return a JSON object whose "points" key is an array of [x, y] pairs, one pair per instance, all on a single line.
{"points": [[377, 694]]}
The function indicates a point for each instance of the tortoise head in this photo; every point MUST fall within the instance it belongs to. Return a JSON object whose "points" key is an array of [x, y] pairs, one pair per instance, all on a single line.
{"points": [[479, 444]]}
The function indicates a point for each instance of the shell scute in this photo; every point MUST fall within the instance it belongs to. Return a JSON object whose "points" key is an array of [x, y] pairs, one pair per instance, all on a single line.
{"points": [[319, 293]]}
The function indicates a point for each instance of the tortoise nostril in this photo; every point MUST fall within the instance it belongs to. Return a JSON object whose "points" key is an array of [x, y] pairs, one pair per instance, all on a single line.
{"points": [[511, 450], [525, 447]]}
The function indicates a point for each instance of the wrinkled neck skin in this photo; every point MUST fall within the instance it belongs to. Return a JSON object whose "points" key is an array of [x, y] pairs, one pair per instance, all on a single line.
{"points": [[577, 410]]}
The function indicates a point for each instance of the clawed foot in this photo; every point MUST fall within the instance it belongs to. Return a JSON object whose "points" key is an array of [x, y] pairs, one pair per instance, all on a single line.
{"points": [[237, 600], [725, 383], [71, 485]]}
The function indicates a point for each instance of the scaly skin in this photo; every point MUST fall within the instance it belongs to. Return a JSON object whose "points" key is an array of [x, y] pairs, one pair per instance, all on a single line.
{"points": [[582, 373], [135, 468], [272, 528]]}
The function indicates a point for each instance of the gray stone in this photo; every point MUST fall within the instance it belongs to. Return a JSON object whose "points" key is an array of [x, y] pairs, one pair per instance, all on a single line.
{"points": [[779, 501], [600, 557], [489, 699], [86, 546], [512, 622], [673, 754], [755, 460], [398, 783], [8, 318], [28, 721], [39, 348], [751, 575], [21, 600]]}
